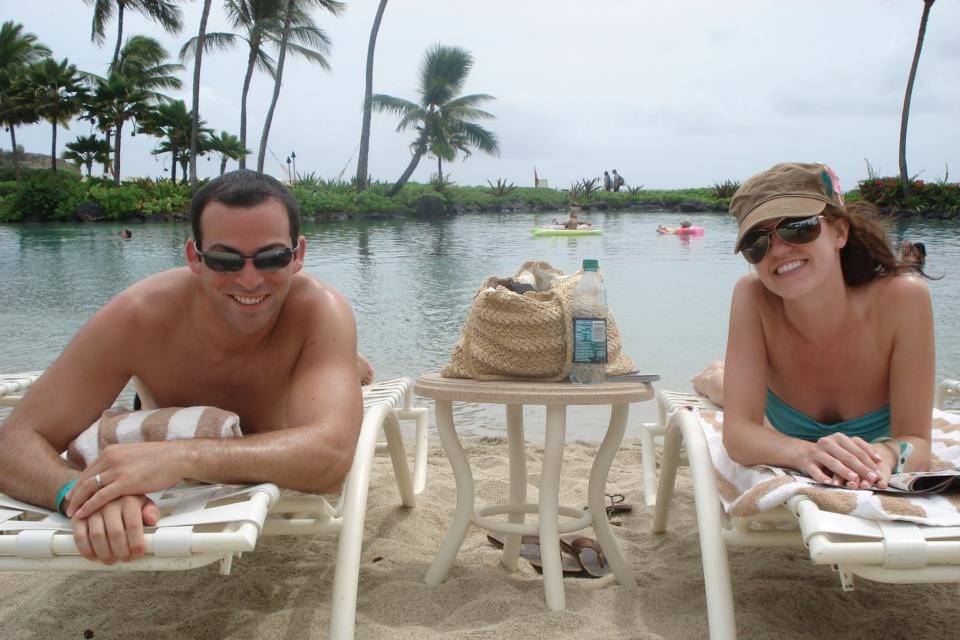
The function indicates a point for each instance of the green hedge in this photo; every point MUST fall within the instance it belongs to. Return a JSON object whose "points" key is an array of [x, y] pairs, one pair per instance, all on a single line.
{"points": [[925, 197]]}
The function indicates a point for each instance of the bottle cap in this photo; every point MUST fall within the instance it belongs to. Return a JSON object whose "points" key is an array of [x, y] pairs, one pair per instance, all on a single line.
{"points": [[590, 264]]}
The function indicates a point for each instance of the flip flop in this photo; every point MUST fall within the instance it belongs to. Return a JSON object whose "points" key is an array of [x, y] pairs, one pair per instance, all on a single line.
{"points": [[530, 551], [589, 554], [617, 505]]}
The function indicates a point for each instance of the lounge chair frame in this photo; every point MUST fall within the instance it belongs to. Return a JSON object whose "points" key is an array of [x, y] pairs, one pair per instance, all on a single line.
{"points": [[892, 552], [215, 523]]}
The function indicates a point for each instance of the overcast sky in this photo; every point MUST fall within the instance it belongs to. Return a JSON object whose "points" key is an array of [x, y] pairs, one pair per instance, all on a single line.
{"points": [[672, 94]]}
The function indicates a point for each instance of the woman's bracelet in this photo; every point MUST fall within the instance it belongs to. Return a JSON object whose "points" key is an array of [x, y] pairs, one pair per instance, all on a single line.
{"points": [[902, 450]]}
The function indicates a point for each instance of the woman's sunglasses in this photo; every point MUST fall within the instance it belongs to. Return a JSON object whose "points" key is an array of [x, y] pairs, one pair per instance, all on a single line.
{"points": [[231, 261], [756, 242]]}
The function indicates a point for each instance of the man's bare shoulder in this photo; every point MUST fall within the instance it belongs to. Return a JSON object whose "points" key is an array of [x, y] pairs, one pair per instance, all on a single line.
{"points": [[311, 297], [155, 298]]}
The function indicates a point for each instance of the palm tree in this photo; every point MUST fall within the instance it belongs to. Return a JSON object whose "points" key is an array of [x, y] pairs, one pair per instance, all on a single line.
{"points": [[194, 129], [18, 50], [172, 123], [291, 9], [86, 150], [130, 88], [228, 147], [165, 12], [905, 115], [362, 161], [261, 23], [56, 93], [442, 119], [117, 100]]}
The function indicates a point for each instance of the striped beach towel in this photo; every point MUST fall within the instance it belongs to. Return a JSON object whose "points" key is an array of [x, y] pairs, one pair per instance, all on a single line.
{"points": [[118, 425], [748, 491]]}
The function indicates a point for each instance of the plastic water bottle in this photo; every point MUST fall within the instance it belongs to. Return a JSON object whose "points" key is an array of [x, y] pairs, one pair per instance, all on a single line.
{"points": [[589, 312]]}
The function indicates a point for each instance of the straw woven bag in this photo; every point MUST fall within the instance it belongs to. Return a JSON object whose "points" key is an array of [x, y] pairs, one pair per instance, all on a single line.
{"points": [[529, 336]]}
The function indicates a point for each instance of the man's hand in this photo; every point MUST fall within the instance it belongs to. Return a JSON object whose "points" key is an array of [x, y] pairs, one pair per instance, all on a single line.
{"points": [[115, 532], [126, 470]]}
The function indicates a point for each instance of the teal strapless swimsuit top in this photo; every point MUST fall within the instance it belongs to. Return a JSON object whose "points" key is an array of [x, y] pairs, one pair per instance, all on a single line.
{"points": [[795, 424]]}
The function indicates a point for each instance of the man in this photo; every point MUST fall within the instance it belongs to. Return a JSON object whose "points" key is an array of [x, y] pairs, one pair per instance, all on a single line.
{"points": [[574, 222], [240, 328], [607, 181], [618, 181]]}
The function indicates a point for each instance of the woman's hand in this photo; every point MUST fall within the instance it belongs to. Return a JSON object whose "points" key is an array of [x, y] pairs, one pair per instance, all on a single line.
{"points": [[843, 461]]}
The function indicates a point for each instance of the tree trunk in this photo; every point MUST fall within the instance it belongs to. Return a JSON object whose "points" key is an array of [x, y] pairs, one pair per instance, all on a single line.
{"points": [[420, 149], [362, 170], [251, 62], [223, 164], [439, 170], [16, 160], [116, 50], [89, 164], [53, 148], [106, 164], [118, 129], [173, 163], [288, 16], [194, 128], [905, 115]]}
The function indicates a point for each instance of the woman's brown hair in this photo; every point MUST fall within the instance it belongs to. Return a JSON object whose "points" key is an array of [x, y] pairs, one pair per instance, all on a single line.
{"points": [[867, 254]]}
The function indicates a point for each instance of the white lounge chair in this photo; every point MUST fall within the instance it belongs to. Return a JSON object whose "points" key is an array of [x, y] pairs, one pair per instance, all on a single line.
{"points": [[893, 552], [203, 524]]}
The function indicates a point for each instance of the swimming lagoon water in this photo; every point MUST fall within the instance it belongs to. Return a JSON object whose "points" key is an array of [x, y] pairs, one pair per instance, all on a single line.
{"points": [[411, 283]]}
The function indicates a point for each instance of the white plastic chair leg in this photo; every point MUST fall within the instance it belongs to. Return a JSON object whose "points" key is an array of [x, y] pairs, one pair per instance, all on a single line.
{"points": [[713, 549], [347, 571], [398, 455], [419, 415], [648, 461]]}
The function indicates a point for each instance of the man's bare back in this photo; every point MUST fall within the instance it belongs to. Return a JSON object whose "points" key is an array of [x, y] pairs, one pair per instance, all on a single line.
{"points": [[240, 328]]}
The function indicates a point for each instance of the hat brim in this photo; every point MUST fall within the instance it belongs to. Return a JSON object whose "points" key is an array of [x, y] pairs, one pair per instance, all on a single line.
{"points": [[777, 209]]}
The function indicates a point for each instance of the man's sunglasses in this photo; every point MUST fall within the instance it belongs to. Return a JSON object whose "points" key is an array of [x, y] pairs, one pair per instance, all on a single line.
{"points": [[756, 242], [232, 261]]}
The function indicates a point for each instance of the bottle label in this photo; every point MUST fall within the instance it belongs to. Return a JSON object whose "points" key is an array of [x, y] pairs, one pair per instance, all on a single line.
{"points": [[590, 340]]}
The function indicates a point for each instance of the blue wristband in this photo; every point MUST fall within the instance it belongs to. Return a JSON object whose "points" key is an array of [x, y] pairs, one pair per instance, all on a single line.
{"points": [[64, 490]]}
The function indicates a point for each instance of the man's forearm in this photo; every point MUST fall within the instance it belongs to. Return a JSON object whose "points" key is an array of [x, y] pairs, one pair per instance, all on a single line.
{"points": [[298, 458], [30, 469]]}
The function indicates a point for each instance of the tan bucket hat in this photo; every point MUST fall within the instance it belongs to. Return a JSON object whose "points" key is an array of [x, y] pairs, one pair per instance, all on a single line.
{"points": [[785, 190]]}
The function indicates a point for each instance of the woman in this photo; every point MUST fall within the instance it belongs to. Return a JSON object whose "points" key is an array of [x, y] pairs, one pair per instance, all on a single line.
{"points": [[830, 339]]}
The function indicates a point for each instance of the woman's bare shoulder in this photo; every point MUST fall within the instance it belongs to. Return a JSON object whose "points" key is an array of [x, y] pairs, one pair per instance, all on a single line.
{"points": [[903, 289]]}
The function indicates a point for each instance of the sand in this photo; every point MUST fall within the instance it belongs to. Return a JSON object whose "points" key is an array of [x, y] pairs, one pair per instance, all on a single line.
{"points": [[282, 590]]}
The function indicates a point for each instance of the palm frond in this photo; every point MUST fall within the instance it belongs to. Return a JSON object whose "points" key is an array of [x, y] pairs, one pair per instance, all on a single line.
{"points": [[102, 14], [389, 104], [167, 13], [310, 36], [265, 63], [310, 55], [215, 41]]}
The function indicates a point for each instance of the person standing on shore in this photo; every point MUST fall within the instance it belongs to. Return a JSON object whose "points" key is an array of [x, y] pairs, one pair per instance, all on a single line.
{"points": [[607, 181], [618, 181]]}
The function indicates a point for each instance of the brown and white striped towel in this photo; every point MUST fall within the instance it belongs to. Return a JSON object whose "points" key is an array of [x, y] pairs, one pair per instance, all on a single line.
{"points": [[747, 491], [118, 425]]}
